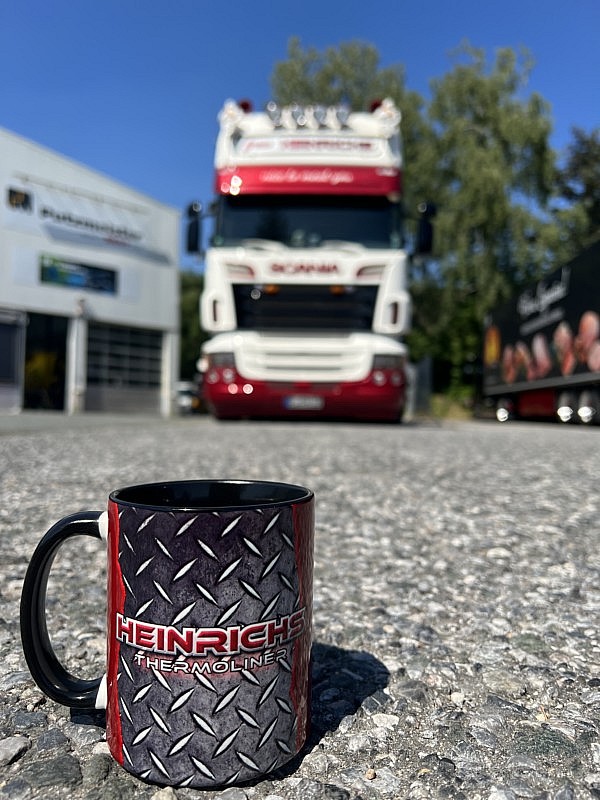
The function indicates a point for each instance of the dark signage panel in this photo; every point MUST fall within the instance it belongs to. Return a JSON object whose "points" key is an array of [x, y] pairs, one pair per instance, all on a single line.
{"points": [[77, 276], [550, 333]]}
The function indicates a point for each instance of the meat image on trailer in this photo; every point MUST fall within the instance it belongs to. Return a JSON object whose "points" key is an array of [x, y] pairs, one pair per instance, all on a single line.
{"points": [[541, 351]]}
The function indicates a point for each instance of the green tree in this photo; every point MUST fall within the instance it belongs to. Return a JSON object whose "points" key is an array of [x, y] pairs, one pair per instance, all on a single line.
{"points": [[492, 178], [192, 335], [348, 74]]}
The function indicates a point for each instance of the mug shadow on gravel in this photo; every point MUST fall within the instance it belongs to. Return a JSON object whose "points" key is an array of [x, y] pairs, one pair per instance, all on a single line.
{"points": [[342, 680]]}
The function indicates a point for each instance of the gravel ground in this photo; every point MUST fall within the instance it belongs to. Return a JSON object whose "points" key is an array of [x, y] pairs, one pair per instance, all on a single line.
{"points": [[457, 602]]}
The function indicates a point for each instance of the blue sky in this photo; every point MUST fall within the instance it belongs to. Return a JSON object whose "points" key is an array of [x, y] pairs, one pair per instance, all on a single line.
{"points": [[132, 89]]}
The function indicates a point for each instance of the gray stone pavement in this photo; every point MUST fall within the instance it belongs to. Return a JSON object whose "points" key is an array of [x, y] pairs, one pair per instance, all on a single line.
{"points": [[457, 602]]}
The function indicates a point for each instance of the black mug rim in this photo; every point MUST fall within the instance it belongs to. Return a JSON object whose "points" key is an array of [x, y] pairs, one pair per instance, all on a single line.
{"points": [[147, 495]]}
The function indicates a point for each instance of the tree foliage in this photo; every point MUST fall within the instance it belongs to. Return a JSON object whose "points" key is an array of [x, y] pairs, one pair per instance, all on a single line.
{"points": [[492, 170], [332, 77]]}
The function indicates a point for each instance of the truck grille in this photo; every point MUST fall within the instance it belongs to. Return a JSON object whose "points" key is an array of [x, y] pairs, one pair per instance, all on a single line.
{"points": [[305, 307], [307, 359]]}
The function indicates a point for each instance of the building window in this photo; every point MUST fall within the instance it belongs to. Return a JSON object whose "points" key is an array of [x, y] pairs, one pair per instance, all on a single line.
{"points": [[125, 357]]}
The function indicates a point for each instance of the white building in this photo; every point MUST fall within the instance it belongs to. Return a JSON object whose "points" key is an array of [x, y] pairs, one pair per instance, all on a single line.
{"points": [[89, 288]]}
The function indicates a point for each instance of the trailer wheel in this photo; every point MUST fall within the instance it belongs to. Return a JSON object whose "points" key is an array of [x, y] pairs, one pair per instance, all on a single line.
{"points": [[566, 407], [505, 409], [588, 407]]}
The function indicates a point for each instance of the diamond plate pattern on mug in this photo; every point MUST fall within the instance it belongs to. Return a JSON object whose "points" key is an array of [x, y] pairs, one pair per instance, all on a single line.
{"points": [[232, 718]]}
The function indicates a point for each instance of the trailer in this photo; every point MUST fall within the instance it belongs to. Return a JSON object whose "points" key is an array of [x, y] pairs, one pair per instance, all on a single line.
{"points": [[541, 354]]}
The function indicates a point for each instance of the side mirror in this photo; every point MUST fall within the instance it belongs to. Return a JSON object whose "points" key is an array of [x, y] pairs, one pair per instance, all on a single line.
{"points": [[194, 228], [424, 236]]}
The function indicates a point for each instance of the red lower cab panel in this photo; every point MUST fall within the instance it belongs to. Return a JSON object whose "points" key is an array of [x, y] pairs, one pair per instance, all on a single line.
{"points": [[381, 396]]}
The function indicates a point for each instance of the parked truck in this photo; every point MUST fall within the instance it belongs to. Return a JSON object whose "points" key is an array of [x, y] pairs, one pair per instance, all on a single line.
{"points": [[542, 350], [305, 287]]}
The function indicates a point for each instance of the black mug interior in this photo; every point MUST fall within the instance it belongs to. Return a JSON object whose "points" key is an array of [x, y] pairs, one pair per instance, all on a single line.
{"points": [[211, 495]]}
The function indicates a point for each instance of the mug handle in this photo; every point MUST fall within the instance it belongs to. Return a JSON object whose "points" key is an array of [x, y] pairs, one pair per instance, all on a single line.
{"points": [[47, 671]]}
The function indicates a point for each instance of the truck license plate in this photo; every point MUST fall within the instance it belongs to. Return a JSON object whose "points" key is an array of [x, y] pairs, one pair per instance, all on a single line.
{"points": [[303, 402]]}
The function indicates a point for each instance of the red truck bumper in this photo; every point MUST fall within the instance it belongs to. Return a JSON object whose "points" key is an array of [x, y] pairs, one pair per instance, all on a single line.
{"points": [[379, 397]]}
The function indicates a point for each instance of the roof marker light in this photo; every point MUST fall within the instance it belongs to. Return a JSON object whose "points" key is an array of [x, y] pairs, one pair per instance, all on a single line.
{"points": [[320, 115], [231, 115], [274, 113], [343, 114], [298, 115]]}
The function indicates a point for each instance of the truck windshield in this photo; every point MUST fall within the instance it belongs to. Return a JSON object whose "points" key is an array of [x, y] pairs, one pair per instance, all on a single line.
{"points": [[308, 221]]}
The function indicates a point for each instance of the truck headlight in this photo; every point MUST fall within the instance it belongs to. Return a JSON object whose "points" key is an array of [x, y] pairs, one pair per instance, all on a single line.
{"points": [[388, 368], [220, 367]]}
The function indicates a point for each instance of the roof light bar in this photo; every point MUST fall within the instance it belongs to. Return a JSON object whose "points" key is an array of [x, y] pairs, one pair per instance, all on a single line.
{"points": [[314, 117]]}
